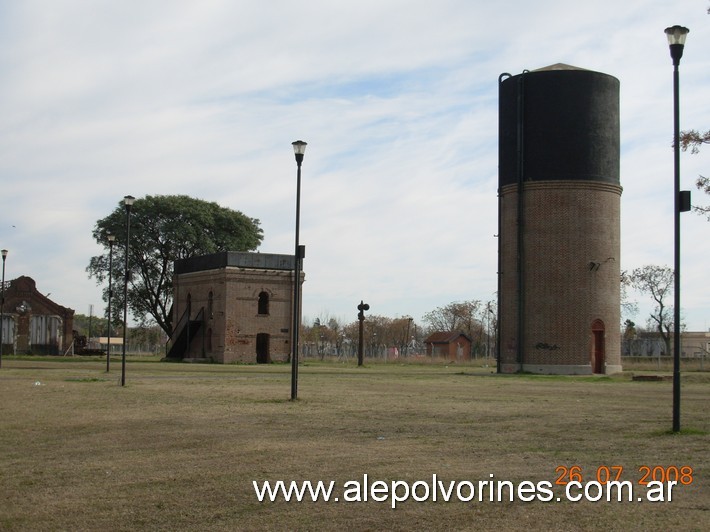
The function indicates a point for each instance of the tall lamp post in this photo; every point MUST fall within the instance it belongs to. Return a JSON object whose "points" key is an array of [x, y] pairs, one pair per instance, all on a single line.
{"points": [[488, 330], [495, 335], [362, 307], [128, 203], [2, 302], [299, 148], [111, 239], [681, 202]]}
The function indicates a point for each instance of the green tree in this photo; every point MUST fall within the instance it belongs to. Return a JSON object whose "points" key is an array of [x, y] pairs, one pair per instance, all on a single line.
{"points": [[94, 325], [630, 331], [164, 229], [147, 339]]}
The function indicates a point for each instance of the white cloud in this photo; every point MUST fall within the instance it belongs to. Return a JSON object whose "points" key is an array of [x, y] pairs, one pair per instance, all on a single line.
{"points": [[398, 105]]}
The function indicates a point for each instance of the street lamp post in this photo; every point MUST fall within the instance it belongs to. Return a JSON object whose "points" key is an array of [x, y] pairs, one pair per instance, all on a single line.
{"points": [[2, 302], [128, 203], [488, 330], [406, 336], [362, 307], [299, 148], [676, 41], [493, 314], [111, 239]]}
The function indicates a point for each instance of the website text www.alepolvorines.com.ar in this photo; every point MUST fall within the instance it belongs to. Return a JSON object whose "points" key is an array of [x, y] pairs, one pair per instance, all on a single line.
{"points": [[395, 492]]}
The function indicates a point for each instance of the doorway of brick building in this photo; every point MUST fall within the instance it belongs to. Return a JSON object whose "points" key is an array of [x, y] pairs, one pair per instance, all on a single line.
{"points": [[262, 349], [598, 350]]}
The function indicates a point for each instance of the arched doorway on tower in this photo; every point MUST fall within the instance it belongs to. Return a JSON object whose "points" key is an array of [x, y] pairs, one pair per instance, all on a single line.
{"points": [[598, 346]]}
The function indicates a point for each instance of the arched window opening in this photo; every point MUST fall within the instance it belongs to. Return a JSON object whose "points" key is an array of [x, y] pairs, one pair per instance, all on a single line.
{"points": [[263, 303], [210, 305]]}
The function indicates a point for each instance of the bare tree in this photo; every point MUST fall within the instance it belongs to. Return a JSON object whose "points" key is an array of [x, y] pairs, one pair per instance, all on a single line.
{"points": [[703, 183], [693, 139], [657, 281], [324, 338], [457, 316], [467, 317], [628, 307]]}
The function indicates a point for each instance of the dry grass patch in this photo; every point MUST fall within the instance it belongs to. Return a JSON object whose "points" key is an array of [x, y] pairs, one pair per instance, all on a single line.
{"points": [[179, 446]]}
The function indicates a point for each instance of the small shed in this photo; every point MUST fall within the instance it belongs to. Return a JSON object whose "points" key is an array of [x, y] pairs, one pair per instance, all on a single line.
{"points": [[451, 345]]}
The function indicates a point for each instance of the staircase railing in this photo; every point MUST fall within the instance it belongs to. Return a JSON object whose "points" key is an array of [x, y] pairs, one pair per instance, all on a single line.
{"points": [[177, 330]]}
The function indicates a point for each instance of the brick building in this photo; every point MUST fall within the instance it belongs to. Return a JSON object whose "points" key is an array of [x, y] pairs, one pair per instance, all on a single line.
{"points": [[32, 323], [233, 307], [559, 225], [450, 345], [695, 344]]}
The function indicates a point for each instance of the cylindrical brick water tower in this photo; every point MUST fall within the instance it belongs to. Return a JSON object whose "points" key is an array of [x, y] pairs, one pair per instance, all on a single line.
{"points": [[559, 218]]}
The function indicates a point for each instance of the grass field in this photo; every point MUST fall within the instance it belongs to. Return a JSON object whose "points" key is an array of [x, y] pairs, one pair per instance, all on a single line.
{"points": [[178, 447]]}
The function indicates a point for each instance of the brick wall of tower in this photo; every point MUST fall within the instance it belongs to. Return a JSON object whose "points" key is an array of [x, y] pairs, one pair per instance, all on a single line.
{"points": [[571, 255]]}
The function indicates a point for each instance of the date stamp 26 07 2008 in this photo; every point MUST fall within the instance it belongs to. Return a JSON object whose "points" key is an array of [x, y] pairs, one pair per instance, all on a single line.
{"points": [[681, 474], [658, 481]]}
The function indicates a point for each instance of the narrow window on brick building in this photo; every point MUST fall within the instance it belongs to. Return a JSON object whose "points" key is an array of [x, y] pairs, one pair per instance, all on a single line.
{"points": [[189, 303], [210, 307], [263, 303], [209, 339]]}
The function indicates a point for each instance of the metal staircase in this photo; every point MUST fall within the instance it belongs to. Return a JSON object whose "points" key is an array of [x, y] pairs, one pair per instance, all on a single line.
{"points": [[184, 333]]}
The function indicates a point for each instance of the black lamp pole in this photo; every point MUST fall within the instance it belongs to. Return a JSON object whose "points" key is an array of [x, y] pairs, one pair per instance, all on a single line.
{"points": [[299, 148], [362, 307], [111, 239], [2, 302], [128, 203], [676, 41]]}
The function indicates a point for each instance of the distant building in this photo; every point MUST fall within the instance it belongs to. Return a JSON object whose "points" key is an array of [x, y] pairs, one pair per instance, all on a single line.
{"points": [[116, 343], [695, 344], [32, 323], [233, 307], [644, 344], [451, 345]]}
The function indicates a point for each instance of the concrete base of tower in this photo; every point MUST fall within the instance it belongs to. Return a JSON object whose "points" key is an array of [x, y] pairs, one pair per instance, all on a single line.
{"points": [[557, 369]]}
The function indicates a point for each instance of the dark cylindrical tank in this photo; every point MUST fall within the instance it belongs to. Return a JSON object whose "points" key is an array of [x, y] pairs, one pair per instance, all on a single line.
{"points": [[568, 121], [559, 234]]}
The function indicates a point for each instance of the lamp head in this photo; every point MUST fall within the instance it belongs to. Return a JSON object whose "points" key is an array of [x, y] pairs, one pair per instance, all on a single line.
{"points": [[128, 202], [4, 254], [676, 41], [676, 34], [111, 238], [299, 148]]}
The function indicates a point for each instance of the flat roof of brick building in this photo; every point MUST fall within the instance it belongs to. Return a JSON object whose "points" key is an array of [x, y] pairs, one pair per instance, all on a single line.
{"points": [[238, 259]]}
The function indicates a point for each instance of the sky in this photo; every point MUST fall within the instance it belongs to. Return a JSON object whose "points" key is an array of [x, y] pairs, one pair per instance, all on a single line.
{"points": [[396, 99]]}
